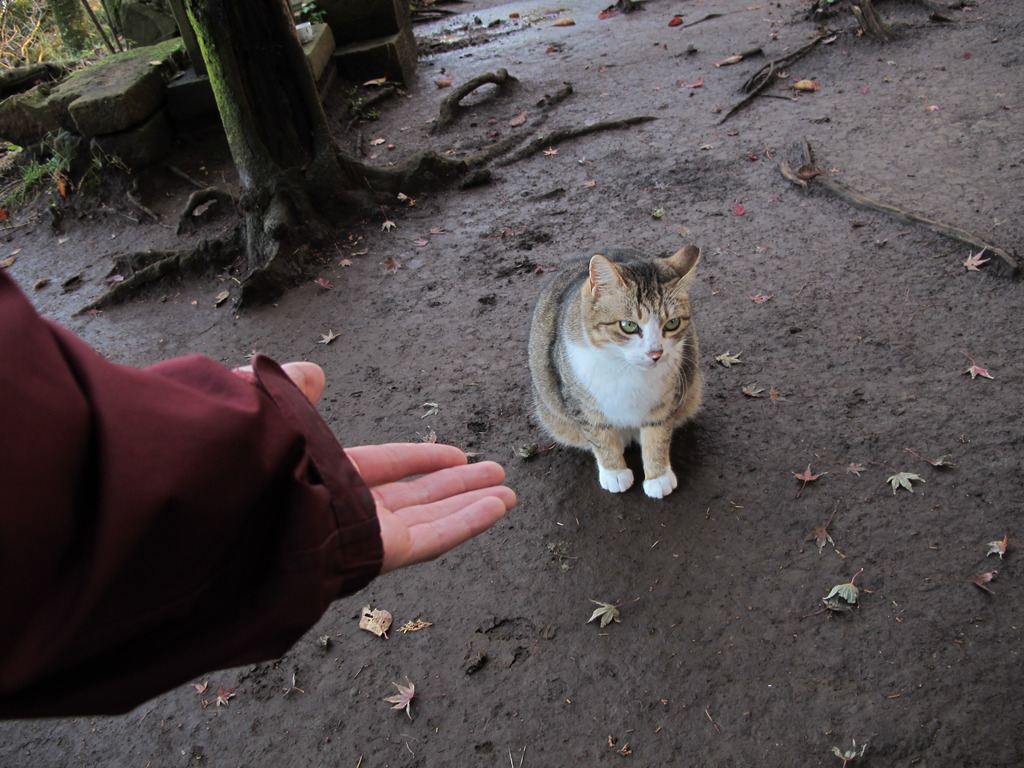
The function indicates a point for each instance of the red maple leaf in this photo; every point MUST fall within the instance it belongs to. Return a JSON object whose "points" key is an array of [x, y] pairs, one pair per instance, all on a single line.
{"points": [[223, 694], [806, 477], [976, 370], [739, 209], [324, 283]]}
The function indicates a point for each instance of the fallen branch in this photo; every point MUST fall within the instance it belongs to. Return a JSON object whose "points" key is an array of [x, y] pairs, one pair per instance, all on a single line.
{"points": [[810, 173], [758, 81], [449, 108]]}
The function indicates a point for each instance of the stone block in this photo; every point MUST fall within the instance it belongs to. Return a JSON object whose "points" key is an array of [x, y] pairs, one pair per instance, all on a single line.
{"points": [[393, 57], [142, 145]]}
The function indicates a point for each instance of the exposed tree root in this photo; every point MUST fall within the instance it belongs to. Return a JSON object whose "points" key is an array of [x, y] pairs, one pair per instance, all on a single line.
{"points": [[810, 174], [565, 134], [144, 267], [449, 109], [207, 196]]}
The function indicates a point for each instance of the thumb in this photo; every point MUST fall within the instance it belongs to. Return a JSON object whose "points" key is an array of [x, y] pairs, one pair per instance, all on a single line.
{"points": [[308, 377]]}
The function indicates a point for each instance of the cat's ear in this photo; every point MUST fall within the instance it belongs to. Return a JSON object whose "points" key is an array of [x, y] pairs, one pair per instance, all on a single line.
{"points": [[684, 261], [604, 276]]}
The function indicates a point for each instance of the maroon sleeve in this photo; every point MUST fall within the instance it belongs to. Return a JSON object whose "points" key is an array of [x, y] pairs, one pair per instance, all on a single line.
{"points": [[159, 523]]}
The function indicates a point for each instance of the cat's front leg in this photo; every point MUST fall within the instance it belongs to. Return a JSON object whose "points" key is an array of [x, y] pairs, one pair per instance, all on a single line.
{"points": [[659, 479], [612, 472]]}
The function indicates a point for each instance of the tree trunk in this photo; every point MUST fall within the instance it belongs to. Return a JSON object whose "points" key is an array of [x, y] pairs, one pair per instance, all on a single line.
{"points": [[71, 23], [276, 130], [293, 177]]}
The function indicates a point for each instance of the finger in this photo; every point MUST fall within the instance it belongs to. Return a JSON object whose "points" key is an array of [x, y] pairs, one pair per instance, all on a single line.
{"points": [[430, 540], [439, 484], [386, 463], [308, 377], [421, 514]]}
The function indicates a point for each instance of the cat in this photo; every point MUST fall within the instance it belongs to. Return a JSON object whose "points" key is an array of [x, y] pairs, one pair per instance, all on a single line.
{"points": [[614, 359]]}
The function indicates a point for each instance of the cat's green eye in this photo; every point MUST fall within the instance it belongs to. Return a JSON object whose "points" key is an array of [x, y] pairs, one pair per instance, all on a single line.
{"points": [[673, 324], [628, 326]]}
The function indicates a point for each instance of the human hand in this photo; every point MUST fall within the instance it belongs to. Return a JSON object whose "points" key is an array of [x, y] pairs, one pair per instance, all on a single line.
{"points": [[449, 502], [308, 377]]}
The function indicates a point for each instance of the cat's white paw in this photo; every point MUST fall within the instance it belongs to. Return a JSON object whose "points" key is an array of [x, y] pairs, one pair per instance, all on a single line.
{"points": [[615, 480], [662, 486]]}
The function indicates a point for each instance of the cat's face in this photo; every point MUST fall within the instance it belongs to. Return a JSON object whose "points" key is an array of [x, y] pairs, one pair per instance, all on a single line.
{"points": [[640, 312]]}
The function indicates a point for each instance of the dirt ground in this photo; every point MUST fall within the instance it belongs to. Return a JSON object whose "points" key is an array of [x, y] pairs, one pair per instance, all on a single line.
{"points": [[722, 656]]}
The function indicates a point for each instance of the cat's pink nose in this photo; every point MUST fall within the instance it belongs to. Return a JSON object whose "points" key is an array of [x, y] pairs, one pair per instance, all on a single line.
{"points": [[655, 354]]}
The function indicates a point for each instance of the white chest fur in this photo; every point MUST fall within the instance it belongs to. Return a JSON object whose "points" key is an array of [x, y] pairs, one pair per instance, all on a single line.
{"points": [[627, 393]]}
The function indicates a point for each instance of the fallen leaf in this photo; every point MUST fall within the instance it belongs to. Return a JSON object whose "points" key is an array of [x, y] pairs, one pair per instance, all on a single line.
{"points": [[759, 298], [728, 359], [998, 547], [376, 621], [403, 699], [942, 462], [739, 209], [606, 612], [377, 81], [806, 85], [387, 226], [415, 626], [731, 60], [376, 142], [518, 120], [438, 231], [608, 12], [3, 214], [855, 469], [752, 390], [976, 370], [843, 597], [675, 21], [444, 82], [345, 263], [982, 580], [390, 266], [223, 694], [324, 283], [221, 298], [432, 409], [775, 395], [7, 262], [565, 21], [550, 151], [932, 108], [903, 480], [820, 536], [420, 243], [974, 261], [40, 283], [698, 83], [589, 184], [201, 687], [807, 477], [327, 338]]}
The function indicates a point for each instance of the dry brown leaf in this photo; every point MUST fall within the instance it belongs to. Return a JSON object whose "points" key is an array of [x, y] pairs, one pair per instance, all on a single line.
{"points": [[565, 21], [376, 621]]}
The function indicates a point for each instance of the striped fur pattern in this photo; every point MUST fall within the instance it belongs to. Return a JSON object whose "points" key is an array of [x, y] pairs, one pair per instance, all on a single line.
{"points": [[614, 360]]}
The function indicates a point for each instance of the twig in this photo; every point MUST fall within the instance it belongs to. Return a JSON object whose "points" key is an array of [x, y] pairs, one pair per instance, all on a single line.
{"points": [[760, 79], [717, 727], [810, 171]]}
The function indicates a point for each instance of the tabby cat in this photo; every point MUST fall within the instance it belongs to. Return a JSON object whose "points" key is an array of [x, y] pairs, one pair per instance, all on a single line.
{"points": [[614, 360]]}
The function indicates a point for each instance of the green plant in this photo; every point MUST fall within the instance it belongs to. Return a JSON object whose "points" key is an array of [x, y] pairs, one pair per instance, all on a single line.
{"points": [[51, 162], [312, 14]]}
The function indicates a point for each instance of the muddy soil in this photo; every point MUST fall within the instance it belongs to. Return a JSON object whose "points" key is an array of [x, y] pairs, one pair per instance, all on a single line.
{"points": [[853, 327]]}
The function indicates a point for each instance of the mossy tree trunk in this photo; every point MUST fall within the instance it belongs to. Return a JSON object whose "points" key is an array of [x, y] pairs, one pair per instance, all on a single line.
{"points": [[277, 132], [71, 23], [293, 177]]}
